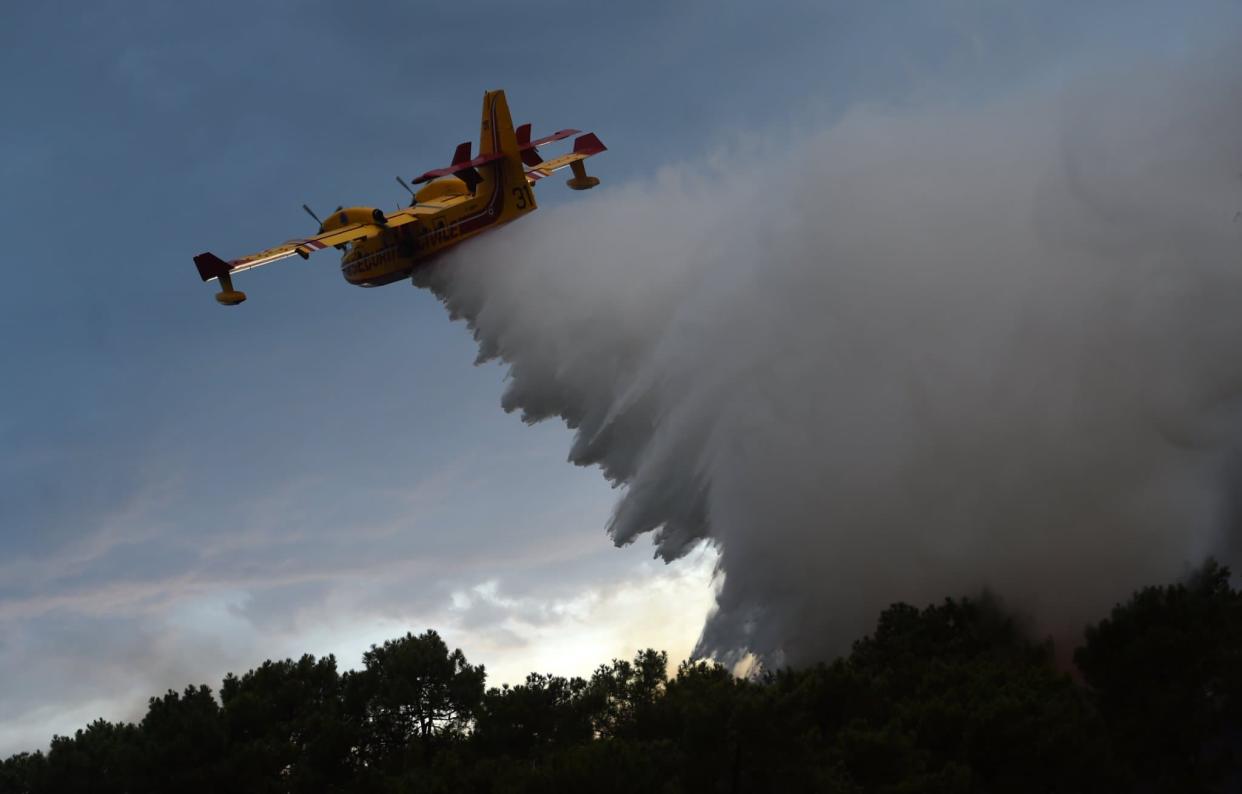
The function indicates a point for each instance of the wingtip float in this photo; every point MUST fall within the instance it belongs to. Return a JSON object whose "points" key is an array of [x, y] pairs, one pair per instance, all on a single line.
{"points": [[470, 196]]}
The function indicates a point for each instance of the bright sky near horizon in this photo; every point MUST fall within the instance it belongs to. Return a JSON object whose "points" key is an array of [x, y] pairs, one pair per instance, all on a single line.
{"points": [[187, 490]]}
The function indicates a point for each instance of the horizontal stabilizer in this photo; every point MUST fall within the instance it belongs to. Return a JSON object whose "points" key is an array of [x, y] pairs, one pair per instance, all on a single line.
{"points": [[528, 148], [456, 168], [556, 136], [584, 146]]}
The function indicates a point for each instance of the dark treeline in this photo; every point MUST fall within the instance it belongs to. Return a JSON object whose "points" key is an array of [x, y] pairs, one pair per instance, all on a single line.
{"points": [[951, 698]]}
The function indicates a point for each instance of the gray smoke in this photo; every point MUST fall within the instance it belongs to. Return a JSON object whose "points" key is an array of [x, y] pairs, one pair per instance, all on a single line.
{"points": [[921, 353]]}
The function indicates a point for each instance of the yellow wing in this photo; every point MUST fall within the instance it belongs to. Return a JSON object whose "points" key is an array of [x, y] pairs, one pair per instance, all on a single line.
{"points": [[212, 267]]}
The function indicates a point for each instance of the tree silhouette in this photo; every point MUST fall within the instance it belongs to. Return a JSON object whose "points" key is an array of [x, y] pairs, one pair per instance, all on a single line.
{"points": [[627, 692], [103, 758], [543, 714], [183, 741], [954, 697], [411, 692], [1166, 668], [286, 726]]}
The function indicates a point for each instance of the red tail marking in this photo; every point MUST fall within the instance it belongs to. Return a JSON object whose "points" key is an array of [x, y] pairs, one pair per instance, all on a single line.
{"points": [[211, 266], [589, 144]]}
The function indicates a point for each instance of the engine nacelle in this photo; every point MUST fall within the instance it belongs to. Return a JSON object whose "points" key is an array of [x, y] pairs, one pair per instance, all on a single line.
{"points": [[441, 188], [347, 216]]}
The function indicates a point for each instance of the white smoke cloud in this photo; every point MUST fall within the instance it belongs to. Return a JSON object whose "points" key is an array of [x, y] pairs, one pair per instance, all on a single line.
{"points": [[922, 353]]}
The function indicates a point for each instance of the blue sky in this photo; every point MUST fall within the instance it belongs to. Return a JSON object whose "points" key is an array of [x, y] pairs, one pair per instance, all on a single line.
{"points": [[186, 490]]}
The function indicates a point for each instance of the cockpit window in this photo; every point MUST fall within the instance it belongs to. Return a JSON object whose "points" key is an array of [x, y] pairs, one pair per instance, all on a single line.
{"points": [[344, 218]]}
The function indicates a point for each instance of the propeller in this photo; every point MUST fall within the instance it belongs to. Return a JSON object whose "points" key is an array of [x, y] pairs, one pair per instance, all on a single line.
{"points": [[414, 198], [311, 213]]}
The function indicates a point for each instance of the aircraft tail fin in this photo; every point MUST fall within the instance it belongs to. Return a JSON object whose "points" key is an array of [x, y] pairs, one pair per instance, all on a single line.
{"points": [[497, 134], [498, 137]]}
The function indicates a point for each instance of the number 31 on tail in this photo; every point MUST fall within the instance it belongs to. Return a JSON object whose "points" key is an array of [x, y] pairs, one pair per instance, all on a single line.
{"points": [[459, 201]]}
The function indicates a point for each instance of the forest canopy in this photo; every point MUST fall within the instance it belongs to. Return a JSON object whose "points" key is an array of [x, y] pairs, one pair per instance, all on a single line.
{"points": [[953, 697]]}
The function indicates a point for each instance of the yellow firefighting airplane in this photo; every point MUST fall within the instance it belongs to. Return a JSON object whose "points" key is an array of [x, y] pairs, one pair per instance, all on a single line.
{"points": [[460, 201]]}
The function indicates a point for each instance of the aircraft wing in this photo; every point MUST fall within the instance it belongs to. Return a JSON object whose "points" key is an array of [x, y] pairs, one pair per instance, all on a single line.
{"points": [[211, 267], [584, 147]]}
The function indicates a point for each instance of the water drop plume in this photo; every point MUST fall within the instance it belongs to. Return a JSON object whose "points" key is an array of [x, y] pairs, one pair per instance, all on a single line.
{"points": [[921, 352]]}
